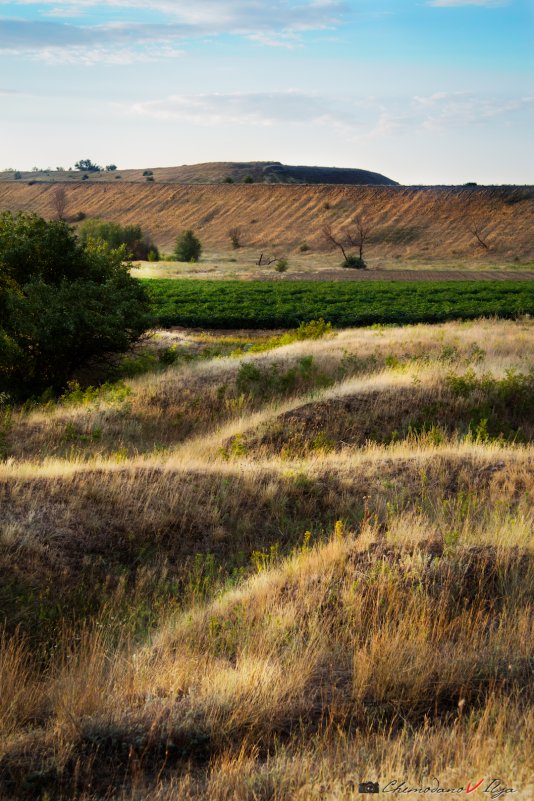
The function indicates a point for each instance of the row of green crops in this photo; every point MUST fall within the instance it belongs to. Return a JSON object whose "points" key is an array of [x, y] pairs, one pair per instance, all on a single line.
{"points": [[256, 304]]}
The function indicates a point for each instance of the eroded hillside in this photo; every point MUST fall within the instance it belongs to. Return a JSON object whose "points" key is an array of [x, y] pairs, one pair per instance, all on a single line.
{"points": [[407, 222]]}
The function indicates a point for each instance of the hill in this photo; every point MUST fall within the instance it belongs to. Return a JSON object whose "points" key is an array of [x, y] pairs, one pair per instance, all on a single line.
{"points": [[408, 223], [272, 568], [217, 172]]}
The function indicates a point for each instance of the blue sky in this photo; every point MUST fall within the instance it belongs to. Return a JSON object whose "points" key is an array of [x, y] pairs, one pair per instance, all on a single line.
{"points": [[425, 91]]}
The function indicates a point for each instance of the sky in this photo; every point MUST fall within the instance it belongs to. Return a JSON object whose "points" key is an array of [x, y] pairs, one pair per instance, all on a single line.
{"points": [[423, 91]]}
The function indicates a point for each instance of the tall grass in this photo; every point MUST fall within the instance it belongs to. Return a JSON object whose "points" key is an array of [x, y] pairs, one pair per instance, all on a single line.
{"points": [[189, 614]]}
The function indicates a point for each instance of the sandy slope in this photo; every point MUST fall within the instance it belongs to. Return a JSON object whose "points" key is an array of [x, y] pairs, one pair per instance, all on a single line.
{"points": [[410, 222]]}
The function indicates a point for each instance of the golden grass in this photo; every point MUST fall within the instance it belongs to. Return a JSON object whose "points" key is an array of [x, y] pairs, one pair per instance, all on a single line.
{"points": [[278, 218], [185, 619]]}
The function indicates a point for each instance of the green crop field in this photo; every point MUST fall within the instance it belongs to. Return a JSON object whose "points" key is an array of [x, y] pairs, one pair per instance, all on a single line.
{"points": [[255, 304]]}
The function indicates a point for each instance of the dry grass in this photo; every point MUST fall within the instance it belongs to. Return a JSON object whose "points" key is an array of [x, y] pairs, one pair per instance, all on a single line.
{"points": [[418, 226], [189, 619]]}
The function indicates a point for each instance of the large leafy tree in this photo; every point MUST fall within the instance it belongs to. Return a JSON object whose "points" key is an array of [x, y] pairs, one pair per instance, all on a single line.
{"points": [[63, 304]]}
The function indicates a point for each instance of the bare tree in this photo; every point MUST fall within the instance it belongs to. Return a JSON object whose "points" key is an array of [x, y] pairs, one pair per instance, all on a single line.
{"points": [[265, 261], [353, 237], [59, 202], [476, 227], [328, 234], [476, 210], [363, 229]]}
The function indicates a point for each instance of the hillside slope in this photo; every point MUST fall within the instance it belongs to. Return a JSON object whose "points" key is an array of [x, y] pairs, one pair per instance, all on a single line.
{"points": [[217, 172], [408, 222], [268, 575]]}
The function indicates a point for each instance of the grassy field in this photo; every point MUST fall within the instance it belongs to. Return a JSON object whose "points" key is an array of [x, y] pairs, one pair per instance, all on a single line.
{"points": [[266, 567], [254, 304], [320, 266]]}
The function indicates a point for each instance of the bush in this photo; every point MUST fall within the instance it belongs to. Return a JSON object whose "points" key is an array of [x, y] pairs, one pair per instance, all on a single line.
{"points": [[355, 263], [148, 173], [63, 304], [248, 180], [188, 247], [235, 237], [138, 245], [228, 180], [304, 247], [281, 265]]}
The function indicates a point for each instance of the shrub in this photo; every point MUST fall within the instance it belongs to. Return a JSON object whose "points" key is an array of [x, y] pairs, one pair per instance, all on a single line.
{"points": [[235, 237], [64, 304], [188, 247], [281, 265], [150, 178], [228, 180], [153, 255], [355, 263], [148, 172], [138, 245], [248, 179], [304, 247], [79, 216], [17, 176]]}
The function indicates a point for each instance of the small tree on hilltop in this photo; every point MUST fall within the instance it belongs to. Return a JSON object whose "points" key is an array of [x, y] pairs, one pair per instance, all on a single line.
{"points": [[86, 165], [188, 247]]}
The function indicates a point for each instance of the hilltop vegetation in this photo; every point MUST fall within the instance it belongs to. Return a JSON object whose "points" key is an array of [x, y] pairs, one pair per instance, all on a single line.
{"points": [[273, 566], [248, 172]]}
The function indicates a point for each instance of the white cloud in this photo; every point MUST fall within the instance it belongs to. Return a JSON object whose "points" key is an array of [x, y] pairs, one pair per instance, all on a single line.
{"points": [[356, 119], [218, 16], [277, 23], [256, 109]]}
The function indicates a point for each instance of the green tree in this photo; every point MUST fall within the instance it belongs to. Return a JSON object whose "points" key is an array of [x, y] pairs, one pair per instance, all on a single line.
{"points": [[63, 305], [138, 245], [86, 165], [188, 247]]}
